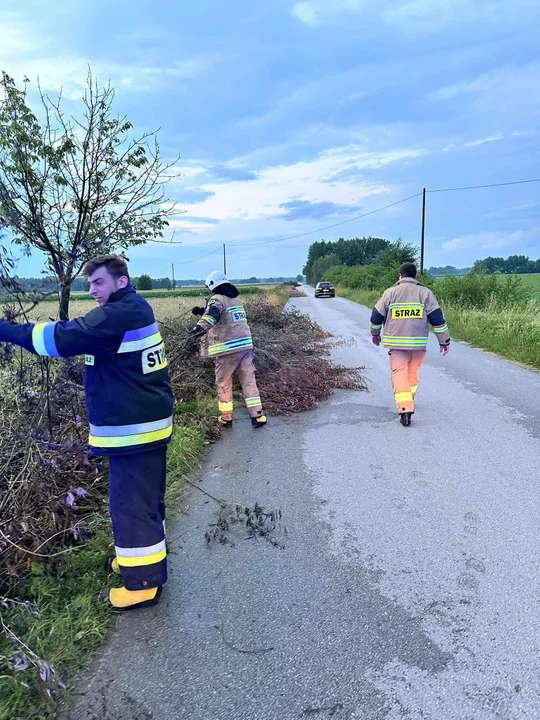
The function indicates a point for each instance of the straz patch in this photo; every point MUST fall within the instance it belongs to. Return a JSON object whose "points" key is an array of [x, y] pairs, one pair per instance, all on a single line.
{"points": [[154, 359], [238, 314], [89, 360], [408, 312]]}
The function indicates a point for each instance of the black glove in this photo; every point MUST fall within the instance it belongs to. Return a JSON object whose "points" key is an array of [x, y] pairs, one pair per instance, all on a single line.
{"points": [[196, 331], [197, 311], [194, 335]]}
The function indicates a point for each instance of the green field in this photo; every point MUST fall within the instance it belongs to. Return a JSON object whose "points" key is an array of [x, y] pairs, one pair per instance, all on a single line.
{"points": [[532, 280]]}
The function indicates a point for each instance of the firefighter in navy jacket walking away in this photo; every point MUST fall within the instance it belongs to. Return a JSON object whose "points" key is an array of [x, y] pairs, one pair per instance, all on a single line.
{"points": [[129, 403], [228, 340], [406, 310]]}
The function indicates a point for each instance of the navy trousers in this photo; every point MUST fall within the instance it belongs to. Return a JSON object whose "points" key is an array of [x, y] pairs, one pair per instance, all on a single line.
{"points": [[137, 506]]}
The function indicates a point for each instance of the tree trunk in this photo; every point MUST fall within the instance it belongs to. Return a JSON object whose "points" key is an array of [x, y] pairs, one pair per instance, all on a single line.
{"points": [[64, 301]]}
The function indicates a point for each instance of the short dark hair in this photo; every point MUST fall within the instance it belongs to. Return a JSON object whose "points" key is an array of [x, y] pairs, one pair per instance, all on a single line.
{"points": [[408, 269], [115, 265]]}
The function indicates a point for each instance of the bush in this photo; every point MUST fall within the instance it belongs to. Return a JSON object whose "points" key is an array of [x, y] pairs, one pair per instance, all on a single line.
{"points": [[482, 291]]}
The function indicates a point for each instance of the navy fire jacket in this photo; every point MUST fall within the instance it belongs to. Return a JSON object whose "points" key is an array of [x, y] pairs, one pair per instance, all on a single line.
{"points": [[129, 399]]}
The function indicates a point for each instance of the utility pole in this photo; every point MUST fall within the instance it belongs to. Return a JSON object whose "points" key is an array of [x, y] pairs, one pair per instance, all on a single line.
{"points": [[173, 280], [423, 240], [224, 259]]}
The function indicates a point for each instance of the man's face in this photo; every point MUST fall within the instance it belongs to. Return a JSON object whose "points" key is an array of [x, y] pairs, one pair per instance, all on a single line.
{"points": [[103, 284]]}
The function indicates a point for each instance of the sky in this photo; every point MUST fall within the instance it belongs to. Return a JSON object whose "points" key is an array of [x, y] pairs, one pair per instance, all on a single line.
{"points": [[288, 117]]}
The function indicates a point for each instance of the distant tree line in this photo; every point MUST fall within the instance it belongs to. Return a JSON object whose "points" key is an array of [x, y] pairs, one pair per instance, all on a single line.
{"points": [[513, 264], [48, 284], [448, 270]]}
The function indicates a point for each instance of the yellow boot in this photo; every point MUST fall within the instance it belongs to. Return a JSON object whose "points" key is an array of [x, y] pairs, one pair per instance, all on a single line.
{"points": [[112, 565], [122, 599]]}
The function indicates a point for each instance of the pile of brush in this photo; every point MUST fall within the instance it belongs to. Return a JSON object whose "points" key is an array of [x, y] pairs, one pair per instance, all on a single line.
{"points": [[291, 357]]}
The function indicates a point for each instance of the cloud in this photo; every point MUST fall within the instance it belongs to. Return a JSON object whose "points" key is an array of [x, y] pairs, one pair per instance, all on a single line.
{"points": [[507, 91], [193, 196], [315, 12], [231, 173], [196, 219], [483, 141], [302, 209], [487, 241], [314, 185], [478, 85], [418, 16], [27, 51]]}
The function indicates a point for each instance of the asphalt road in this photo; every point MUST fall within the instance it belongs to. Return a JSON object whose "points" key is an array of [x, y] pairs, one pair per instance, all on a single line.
{"points": [[408, 584]]}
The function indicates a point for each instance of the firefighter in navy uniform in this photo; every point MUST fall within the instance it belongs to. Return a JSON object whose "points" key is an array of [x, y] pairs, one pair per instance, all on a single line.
{"points": [[228, 340], [406, 310], [130, 406]]}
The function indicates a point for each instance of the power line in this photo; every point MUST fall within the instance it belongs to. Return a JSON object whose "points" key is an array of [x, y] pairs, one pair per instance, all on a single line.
{"points": [[476, 187], [187, 262], [328, 227]]}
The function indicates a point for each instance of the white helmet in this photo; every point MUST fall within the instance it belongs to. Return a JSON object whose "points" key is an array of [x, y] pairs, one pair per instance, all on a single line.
{"points": [[215, 279]]}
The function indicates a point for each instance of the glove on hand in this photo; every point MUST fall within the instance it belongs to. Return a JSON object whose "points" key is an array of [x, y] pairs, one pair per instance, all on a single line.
{"points": [[376, 340], [197, 311]]}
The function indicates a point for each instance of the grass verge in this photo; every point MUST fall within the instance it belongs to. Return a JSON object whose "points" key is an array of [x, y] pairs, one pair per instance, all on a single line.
{"points": [[72, 624], [512, 332]]}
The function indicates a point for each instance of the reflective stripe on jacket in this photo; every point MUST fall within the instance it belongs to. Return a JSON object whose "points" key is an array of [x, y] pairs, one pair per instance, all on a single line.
{"points": [[129, 399], [406, 310], [226, 324]]}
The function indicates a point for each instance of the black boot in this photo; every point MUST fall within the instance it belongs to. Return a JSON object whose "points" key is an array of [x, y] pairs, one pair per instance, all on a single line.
{"points": [[259, 421], [405, 419]]}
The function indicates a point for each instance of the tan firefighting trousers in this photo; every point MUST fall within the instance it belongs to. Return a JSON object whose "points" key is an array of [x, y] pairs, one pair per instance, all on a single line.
{"points": [[242, 363], [405, 365]]}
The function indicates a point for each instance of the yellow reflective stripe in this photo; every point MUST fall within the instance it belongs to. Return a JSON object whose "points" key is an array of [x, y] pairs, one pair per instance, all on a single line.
{"points": [[135, 345], [403, 397], [142, 560], [253, 402], [127, 440], [441, 328], [407, 304], [414, 389], [226, 406], [239, 344], [405, 337], [43, 339], [421, 341], [209, 319]]}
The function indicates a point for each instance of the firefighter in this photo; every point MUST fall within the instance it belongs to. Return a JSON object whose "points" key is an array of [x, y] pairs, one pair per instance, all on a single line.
{"points": [[406, 310], [228, 340], [129, 403]]}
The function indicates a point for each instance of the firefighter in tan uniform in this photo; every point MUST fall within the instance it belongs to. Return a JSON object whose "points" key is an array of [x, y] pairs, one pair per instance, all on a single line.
{"points": [[228, 340], [406, 310]]}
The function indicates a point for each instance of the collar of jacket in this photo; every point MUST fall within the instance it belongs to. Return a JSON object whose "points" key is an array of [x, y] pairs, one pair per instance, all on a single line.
{"points": [[119, 294], [408, 280]]}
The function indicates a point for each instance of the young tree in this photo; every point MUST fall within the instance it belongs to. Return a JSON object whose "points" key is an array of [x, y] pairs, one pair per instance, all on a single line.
{"points": [[397, 253], [144, 282], [76, 188]]}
